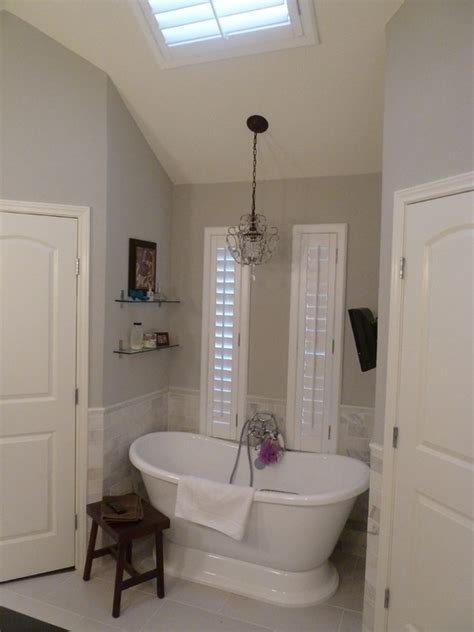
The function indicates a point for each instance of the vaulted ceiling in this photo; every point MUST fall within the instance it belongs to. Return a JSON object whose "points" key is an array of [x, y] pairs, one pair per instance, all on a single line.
{"points": [[324, 103]]}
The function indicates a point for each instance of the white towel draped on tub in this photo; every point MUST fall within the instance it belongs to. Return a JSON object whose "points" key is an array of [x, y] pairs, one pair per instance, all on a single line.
{"points": [[225, 508]]}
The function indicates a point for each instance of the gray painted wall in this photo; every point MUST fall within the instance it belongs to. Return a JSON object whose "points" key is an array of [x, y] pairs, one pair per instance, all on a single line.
{"points": [[69, 139], [139, 206], [351, 199], [54, 146], [428, 123]]}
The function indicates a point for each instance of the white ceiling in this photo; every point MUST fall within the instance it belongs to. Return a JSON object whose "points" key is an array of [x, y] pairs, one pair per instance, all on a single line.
{"points": [[324, 103]]}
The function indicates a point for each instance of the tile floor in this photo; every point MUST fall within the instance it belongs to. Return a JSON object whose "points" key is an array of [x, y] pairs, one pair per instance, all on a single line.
{"points": [[65, 600]]}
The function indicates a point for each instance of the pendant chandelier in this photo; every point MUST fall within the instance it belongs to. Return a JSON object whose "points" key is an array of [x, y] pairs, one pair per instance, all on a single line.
{"points": [[252, 243]]}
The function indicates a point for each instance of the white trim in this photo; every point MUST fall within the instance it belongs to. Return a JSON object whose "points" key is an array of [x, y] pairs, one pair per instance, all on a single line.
{"points": [[261, 399], [244, 330], [242, 322], [181, 390], [369, 409], [129, 402], [402, 200], [340, 230], [208, 232], [82, 214]]}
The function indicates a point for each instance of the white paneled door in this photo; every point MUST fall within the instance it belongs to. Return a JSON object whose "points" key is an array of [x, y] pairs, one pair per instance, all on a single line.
{"points": [[37, 393], [431, 561]]}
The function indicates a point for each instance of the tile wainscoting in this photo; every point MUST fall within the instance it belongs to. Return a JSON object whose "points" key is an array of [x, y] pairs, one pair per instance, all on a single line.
{"points": [[355, 422], [373, 527], [111, 431]]}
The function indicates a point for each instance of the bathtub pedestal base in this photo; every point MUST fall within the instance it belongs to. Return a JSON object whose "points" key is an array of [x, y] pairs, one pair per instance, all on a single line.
{"points": [[291, 589]]}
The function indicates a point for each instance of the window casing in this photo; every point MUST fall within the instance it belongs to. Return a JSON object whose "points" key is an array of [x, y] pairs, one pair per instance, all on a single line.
{"points": [[316, 336], [224, 341], [184, 32]]}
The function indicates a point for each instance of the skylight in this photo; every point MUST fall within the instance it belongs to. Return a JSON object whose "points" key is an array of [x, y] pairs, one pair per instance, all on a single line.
{"points": [[193, 31], [187, 21]]}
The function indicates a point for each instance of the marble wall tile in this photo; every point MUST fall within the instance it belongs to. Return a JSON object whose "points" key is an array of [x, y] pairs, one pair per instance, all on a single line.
{"points": [[111, 431], [122, 425], [95, 454], [373, 528], [356, 424], [183, 410]]}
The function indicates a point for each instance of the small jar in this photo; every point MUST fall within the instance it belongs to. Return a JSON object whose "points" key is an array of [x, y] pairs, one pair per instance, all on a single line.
{"points": [[149, 340], [136, 336]]}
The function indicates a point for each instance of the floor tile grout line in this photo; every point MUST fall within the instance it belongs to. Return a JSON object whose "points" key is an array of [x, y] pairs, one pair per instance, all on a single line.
{"points": [[352, 610], [49, 592], [219, 613], [159, 606], [342, 608], [226, 601], [103, 581], [44, 600], [339, 627], [44, 603]]}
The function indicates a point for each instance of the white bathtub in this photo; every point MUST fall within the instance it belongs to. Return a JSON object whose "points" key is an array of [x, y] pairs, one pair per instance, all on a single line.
{"points": [[283, 557]]}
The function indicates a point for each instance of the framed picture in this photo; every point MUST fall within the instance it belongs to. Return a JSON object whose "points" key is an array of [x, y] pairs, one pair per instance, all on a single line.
{"points": [[162, 339], [141, 265]]}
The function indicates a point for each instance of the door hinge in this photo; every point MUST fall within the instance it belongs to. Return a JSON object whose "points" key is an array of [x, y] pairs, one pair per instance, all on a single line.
{"points": [[386, 598], [333, 344], [337, 254], [401, 269], [78, 266], [238, 340], [395, 437], [76, 396], [75, 522], [236, 420], [329, 433]]}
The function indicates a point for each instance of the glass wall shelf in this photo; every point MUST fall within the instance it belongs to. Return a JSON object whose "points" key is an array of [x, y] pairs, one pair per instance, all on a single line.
{"points": [[139, 302], [126, 351]]}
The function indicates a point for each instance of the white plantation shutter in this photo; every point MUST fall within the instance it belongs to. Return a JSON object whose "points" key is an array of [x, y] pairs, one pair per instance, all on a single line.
{"points": [[313, 380], [225, 319], [195, 31], [187, 21]]}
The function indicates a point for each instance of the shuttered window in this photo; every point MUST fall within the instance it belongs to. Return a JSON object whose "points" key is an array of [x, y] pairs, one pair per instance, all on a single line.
{"points": [[315, 328], [224, 338]]}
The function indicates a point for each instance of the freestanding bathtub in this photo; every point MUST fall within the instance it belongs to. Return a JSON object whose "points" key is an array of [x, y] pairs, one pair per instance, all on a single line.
{"points": [[291, 532]]}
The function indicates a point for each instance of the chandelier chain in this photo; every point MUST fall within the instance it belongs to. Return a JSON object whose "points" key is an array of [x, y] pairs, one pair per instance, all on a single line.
{"points": [[252, 242], [254, 173]]}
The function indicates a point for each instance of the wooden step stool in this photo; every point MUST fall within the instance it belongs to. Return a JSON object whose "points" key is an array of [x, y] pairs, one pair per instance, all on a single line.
{"points": [[123, 534]]}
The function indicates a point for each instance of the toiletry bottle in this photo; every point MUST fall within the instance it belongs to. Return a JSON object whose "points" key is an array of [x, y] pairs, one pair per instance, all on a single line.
{"points": [[136, 336]]}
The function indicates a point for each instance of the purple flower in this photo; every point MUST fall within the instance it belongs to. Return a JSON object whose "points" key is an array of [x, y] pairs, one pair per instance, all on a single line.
{"points": [[269, 452]]}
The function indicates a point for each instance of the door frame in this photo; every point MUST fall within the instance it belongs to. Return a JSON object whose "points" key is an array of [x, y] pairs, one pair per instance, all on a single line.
{"points": [[401, 205], [82, 215]]}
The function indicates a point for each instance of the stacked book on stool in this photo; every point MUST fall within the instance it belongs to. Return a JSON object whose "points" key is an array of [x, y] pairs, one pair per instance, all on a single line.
{"points": [[126, 508]]}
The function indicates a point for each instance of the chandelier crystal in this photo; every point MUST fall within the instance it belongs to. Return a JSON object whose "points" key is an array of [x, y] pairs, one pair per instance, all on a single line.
{"points": [[252, 242]]}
